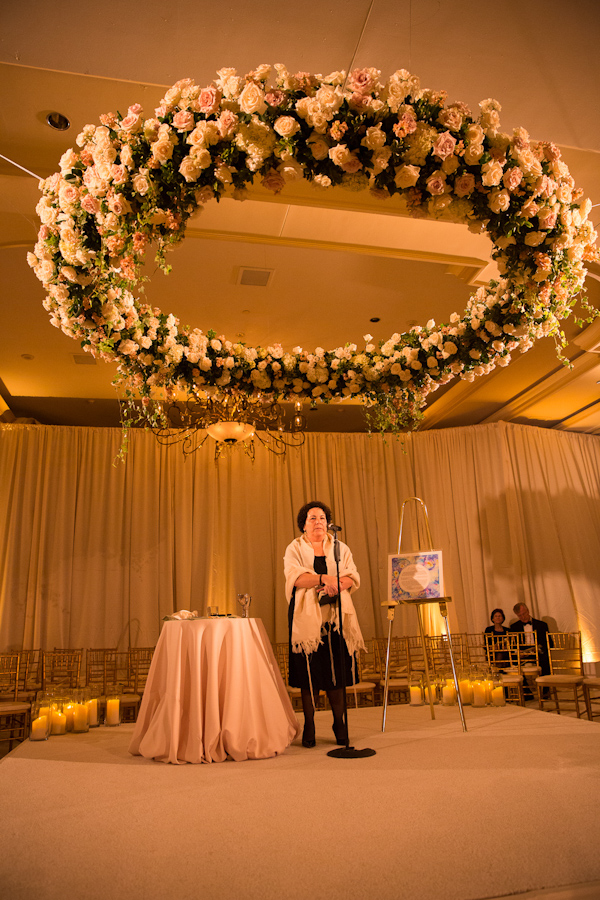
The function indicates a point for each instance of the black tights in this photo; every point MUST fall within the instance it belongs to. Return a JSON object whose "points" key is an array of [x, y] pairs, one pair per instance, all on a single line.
{"points": [[336, 701]]}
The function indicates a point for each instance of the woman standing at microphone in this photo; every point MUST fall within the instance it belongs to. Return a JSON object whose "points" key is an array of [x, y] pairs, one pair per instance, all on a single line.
{"points": [[311, 589]]}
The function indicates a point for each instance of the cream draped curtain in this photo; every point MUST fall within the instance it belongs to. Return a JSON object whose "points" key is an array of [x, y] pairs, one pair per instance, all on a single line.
{"points": [[94, 553]]}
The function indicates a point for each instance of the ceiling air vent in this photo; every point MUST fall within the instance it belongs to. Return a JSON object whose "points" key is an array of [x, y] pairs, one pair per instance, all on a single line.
{"points": [[83, 359], [254, 277]]}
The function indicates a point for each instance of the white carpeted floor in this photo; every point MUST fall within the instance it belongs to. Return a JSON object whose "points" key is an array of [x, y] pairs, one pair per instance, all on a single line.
{"points": [[509, 807]]}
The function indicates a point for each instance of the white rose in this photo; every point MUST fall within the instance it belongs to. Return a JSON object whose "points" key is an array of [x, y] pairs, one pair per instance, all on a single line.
{"points": [[286, 126], [252, 99]]}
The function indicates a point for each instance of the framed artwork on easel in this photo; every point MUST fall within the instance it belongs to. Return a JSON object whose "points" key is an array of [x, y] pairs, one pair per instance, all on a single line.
{"points": [[415, 577]]}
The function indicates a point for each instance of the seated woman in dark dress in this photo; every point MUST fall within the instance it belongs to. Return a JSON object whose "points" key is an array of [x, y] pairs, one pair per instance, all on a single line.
{"points": [[311, 592], [497, 657]]}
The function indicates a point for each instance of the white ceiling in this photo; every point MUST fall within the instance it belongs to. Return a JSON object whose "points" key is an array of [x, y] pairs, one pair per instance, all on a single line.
{"points": [[338, 259]]}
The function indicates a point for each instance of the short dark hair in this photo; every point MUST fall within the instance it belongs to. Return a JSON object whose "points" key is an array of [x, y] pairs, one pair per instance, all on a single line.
{"points": [[301, 518], [494, 611]]}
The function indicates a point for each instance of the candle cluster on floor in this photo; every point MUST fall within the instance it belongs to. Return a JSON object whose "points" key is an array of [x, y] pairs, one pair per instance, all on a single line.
{"points": [[477, 687], [55, 713]]}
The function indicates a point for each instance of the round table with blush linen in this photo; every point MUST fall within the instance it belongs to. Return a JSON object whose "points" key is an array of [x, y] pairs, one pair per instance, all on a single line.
{"points": [[214, 691]]}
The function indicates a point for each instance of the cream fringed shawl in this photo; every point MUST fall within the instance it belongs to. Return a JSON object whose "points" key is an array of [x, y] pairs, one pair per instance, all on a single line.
{"points": [[308, 615]]}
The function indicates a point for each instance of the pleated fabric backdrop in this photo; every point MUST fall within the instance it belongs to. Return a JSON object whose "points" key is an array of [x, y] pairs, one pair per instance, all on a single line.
{"points": [[93, 552]]}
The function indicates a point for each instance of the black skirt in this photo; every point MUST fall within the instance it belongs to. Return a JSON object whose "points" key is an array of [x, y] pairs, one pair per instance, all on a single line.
{"points": [[319, 661]]}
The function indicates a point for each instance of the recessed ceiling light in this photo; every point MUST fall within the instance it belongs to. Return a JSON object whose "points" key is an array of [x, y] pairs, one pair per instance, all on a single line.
{"points": [[57, 121], [375, 319], [26, 356]]}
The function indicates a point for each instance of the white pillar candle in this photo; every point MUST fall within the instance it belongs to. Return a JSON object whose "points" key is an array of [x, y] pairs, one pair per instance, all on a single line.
{"points": [[68, 711], [466, 691], [112, 711], [448, 695], [39, 729], [416, 697], [478, 693], [433, 693], [59, 722], [92, 706], [488, 690], [498, 696], [80, 717]]}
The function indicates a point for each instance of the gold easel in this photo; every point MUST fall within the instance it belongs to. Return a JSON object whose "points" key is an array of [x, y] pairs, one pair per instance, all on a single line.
{"points": [[418, 603]]}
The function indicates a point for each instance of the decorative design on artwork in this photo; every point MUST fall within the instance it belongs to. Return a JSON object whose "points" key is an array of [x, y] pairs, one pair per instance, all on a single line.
{"points": [[415, 576]]}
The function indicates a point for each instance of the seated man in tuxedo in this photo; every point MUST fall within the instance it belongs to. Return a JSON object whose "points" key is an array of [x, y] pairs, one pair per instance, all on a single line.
{"points": [[538, 631]]}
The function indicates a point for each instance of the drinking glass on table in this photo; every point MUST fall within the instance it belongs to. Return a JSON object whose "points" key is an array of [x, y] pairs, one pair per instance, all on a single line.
{"points": [[244, 600]]}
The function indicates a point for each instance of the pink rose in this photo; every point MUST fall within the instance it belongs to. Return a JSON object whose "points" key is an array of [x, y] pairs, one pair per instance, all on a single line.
{"points": [[512, 178], [204, 194], [547, 218], [275, 98], [273, 181], [118, 174], [209, 100], [226, 123], [464, 185], [436, 183], [90, 204], [131, 123], [183, 120], [444, 146], [352, 164], [406, 124], [119, 204], [361, 81]]}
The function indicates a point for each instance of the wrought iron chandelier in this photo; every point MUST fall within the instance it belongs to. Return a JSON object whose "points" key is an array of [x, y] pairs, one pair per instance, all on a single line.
{"points": [[233, 420]]}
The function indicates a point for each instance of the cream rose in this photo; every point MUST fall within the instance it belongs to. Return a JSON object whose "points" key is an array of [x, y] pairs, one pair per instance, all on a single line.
{"points": [[252, 99], [406, 176], [286, 126]]}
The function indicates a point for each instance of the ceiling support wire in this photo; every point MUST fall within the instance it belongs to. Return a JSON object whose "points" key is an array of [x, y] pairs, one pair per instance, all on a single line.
{"points": [[22, 168], [358, 44]]}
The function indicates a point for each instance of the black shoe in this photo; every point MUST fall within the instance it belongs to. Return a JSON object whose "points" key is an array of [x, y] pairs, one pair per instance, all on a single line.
{"points": [[341, 733], [308, 741]]}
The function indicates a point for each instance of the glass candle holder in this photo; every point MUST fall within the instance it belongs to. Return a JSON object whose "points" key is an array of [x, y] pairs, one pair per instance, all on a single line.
{"points": [[59, 716], [41, 719], [465, 687], [415, 687], [112, 715], [498, 698], [93, 704], [432, 689], [68, 707], [449, 691], [478, 688], [81, 718]]}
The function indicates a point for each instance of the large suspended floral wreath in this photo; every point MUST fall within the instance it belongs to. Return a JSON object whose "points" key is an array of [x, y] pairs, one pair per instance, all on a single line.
{"points": [[136, 181]]}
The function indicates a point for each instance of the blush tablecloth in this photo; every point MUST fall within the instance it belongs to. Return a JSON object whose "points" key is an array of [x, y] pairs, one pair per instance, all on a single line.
{"points": [[214, 691]]}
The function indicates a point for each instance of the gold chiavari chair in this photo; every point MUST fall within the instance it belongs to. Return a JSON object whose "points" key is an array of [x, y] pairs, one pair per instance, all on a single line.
{"points": [[566, 668], [476, 651], [503, 653], [399, 666], [61, 667], [439, 653], [281, 656], [30, 674], [139, 662], [416, 653], [14, 713], [99, 668], [591, 695], [364, 689]]}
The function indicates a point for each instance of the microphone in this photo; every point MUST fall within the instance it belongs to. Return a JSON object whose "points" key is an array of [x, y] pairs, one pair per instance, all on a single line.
{"points": [[334, 528]]}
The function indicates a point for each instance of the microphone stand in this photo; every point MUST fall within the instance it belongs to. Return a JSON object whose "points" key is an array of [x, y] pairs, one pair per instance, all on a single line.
{"points": [[346, 752]]}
